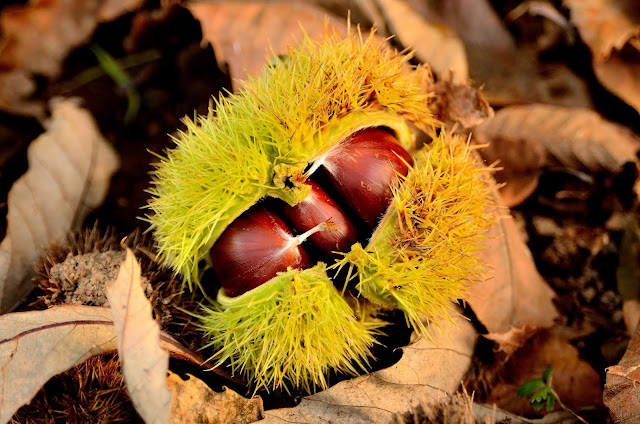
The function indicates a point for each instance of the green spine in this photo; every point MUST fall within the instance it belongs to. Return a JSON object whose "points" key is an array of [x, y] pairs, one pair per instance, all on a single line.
{"points": [[268, 132], [289, 332], [422, 256]]}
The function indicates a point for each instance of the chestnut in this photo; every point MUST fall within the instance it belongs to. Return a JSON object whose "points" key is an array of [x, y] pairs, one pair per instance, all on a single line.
{"points": [[319, 207], [362, 169], [258, 245], [253, 249]]}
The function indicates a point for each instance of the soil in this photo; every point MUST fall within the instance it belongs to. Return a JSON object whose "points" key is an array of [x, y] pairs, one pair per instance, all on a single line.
{"points": [[83, 278]]}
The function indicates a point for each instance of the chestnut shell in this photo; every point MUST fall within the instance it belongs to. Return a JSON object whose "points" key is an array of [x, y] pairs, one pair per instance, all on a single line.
{"points": [[253, 249]]}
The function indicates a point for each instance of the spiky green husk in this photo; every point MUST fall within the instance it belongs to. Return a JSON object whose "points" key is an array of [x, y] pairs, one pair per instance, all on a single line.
{"points": [[289, 332], [423, 254], [263, 138]]}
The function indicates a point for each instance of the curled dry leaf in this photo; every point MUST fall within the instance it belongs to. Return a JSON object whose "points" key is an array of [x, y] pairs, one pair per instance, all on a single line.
{"points": [[193, 401], [70, 166], [511, 341], [244, 34], [62, 26], [622, 386], [527, 138], [144, 362], [435, 45], [515, 295], [611, 29], [427, 369], [36, 345]]}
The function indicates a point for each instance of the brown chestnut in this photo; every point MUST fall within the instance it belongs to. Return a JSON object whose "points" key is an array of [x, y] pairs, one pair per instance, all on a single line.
{"points": [[258, 244], [319, 207], [253, 249], [362, 169]]}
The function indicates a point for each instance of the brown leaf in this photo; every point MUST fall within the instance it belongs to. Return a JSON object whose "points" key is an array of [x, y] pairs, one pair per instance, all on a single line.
{"points": [[622, 78], [527, 138], [16, 86], [427, 369], [475, 21], [511, 341], [35, 346], [508, 74], [436, 45], [622, 386], [112, 9], [144, 362], [244, 34], [193, 401], [61, 26], [520, 161], [515, 295], [70, 166], [604, 25], [611, 29], [576, 383], [631, 314]]}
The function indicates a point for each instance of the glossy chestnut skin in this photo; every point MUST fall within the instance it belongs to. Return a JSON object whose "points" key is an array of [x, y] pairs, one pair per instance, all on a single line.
{"points": [[253, 249], [319, 207], [362, 169], [258, 244]]}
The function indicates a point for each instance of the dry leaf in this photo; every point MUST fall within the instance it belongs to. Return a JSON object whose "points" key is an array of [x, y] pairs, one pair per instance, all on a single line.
{"points": [[622, 78], [475, 21], [576, 383], [604, 25], [112, 9], [520, 161], [575, 138], [61, 26], [436, 45], [508, 74], [427, 369], [631, 314], [16, 86], [244, 34], [511, 341], [193, 401], [611, 29], [622, 387], [492, 414], [70, 166], [515, 295], [144, 362], [35, 346]]}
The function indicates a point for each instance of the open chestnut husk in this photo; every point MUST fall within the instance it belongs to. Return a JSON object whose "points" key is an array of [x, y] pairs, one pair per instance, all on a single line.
{"points": [[258, 244], [416, 225]]}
